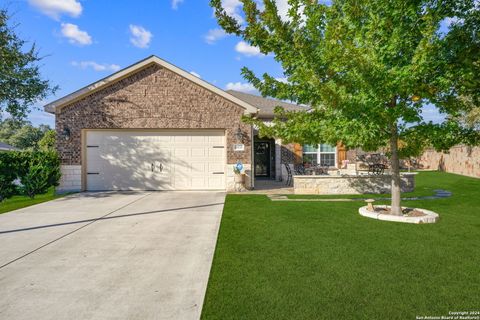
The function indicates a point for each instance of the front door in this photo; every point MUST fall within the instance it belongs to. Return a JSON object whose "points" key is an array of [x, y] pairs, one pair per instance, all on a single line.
{"points": [[262, 159]]}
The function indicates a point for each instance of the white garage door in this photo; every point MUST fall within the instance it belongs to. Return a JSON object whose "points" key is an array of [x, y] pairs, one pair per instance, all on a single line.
{"points": [[155, 160]]}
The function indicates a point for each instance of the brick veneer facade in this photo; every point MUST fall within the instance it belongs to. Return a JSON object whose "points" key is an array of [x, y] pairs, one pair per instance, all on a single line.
{"points": [[152, 98]]}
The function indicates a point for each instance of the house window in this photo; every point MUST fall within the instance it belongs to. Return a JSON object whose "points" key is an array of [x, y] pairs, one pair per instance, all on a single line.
{"points": [[322, 154]]}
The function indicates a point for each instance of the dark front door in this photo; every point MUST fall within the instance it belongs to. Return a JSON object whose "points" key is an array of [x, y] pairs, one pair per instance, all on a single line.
{"points": [[262, 159]]}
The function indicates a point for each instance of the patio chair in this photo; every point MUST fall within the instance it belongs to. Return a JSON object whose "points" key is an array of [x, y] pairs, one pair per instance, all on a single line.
{"points": [[299, 170], [376, 169], [289, 175], [322, 168]]}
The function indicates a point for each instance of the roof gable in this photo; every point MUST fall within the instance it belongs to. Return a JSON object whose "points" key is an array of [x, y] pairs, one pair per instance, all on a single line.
{"points": [[96, 86]]}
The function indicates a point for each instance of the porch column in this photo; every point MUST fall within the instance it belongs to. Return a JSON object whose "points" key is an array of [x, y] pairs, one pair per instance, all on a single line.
{"points": [[278, 160]]}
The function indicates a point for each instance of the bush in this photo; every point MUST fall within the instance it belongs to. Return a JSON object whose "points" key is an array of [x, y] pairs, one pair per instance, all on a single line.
{"points": [[8, 174], [48, 140], [36, 170]]}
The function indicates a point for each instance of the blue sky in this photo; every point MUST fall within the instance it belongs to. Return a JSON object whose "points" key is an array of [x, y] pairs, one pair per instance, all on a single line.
{"points": [[84, 41]]}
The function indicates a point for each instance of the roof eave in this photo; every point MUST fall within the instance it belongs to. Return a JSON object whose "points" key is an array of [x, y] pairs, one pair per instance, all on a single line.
{"points": [[85, 91]]}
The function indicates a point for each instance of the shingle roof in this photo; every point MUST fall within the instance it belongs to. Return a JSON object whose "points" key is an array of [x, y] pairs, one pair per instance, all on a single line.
{"points": [[265, 105], [7, 147]]}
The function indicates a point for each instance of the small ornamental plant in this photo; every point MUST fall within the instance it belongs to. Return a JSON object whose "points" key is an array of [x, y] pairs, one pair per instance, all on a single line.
{"points": [[236, 170]]}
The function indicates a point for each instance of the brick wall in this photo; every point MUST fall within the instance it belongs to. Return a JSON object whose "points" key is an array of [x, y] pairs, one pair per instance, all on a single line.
{"points": [[461, 159], [152, 98]]}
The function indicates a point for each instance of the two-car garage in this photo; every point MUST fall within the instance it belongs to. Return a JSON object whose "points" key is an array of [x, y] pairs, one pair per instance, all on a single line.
{"points": [[154, 159]]}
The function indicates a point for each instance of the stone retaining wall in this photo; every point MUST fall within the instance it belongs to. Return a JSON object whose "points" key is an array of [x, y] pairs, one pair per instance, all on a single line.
{"points": [[361, 184]]}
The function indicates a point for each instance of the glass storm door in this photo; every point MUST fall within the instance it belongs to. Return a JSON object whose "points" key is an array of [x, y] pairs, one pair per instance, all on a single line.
{"points": [[262, 159]]}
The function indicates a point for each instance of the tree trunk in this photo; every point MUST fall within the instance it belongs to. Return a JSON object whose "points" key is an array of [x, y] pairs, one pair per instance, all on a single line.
{"points": [[396, 208]]}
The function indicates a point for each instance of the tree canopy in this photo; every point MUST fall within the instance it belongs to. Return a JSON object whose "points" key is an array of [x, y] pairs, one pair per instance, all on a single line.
{"points": [[21, 84], [23, 135], [367, 68]]}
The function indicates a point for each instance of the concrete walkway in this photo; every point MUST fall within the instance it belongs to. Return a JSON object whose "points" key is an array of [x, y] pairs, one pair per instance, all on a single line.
{"points": [[134, 255]]}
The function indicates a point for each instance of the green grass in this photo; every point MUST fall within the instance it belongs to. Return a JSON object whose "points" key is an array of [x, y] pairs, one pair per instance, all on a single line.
{"points": [[18, 202], [322, 260]]}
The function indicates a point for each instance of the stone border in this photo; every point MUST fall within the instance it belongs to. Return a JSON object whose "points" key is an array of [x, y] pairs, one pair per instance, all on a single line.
{"points": [[430, 217]]}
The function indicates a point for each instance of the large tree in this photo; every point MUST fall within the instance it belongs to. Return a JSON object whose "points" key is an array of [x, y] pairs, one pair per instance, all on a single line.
{"points": [[21, 84], [23, 135], [367, 68]]}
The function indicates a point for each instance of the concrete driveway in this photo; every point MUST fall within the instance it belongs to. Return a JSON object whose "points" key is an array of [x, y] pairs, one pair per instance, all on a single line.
{"points": [[132, 255]]}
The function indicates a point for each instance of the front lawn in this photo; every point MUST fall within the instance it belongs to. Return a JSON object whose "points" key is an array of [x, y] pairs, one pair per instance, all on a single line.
{"points": [[18, 202], [322, 260]]}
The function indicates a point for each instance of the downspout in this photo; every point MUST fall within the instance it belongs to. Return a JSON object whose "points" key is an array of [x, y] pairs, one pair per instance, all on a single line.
{"points": [[252, 164]]}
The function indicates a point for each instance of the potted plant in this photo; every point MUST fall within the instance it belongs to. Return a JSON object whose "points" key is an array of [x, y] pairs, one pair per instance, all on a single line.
{"points": [[239, 176]]}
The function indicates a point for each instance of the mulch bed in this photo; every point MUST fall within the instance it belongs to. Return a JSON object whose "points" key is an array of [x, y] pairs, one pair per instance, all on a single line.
{"points": [[408, 212]]}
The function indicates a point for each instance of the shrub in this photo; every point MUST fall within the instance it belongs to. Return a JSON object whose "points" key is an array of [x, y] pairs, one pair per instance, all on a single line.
{"points": [[48, 140], [36, 170], [8, 174]]}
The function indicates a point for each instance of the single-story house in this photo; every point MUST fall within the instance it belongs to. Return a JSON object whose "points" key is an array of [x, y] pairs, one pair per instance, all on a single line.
{"points": [[154, 126], [7, 147]]}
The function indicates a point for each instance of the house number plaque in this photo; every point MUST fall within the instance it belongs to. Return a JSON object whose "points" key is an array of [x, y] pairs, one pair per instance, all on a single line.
{"points": [[238, 147]]}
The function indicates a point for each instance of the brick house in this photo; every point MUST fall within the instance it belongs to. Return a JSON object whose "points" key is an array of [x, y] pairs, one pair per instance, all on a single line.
{"points": [[154, 126]]}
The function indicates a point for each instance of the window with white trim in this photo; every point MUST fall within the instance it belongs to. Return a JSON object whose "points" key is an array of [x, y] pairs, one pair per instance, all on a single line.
{"points": [[323, 154]]}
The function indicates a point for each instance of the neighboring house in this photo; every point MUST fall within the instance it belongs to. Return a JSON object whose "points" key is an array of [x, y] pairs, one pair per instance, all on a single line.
{"points": [[154, 126], [7, 147]]}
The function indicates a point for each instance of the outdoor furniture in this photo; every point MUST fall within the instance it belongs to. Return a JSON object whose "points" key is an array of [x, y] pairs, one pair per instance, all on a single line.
{"points": [[374, 163], [316, 170], [323, 168], [299, 170], [376, 168], [289, 175]]}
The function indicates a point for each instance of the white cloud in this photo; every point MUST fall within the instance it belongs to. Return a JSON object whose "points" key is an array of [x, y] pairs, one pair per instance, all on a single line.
{"points": [[75, 35], [96, 66], [141, 37], [55, 8], [431, 113], [175, 4], [213, 35], [241, 86], [248, 50], [233, 9], [195, 74], [282, 8], [38, 117]]}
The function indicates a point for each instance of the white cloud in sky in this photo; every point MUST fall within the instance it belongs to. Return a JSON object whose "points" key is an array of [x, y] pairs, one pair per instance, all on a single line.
{"points": [[74, 35], [38, 117], [233, 9], [248, 50], [213, 35], [282, 8], [241, 86], [195, 74], [140, 37], [431, 113], [96, 66], [55, 8], [175, 4]]}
